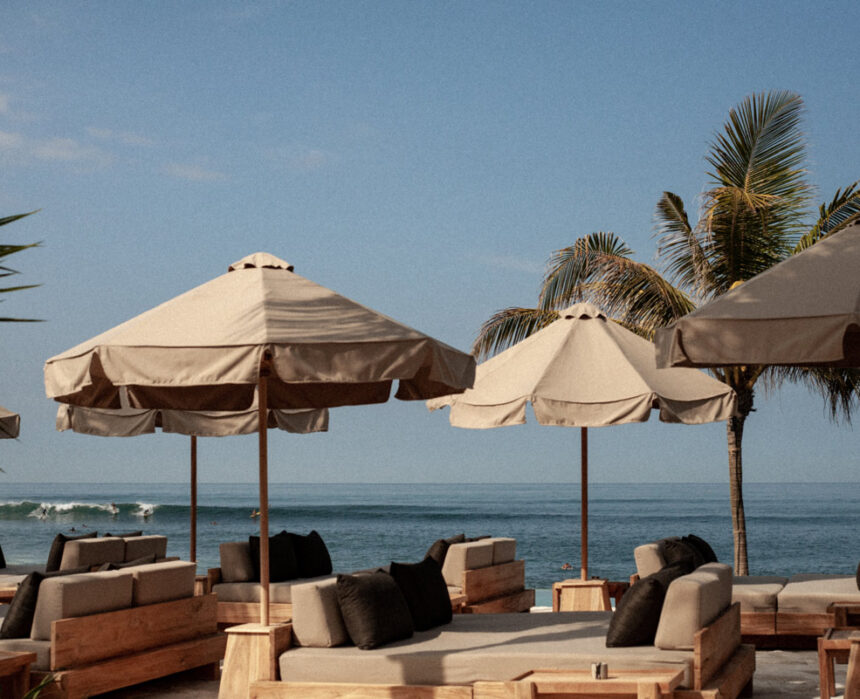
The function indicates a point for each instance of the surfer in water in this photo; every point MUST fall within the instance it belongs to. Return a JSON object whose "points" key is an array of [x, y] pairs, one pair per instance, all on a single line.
{"points": [[114, 510]]}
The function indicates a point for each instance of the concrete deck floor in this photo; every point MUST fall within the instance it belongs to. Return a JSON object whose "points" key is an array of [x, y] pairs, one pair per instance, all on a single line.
{"points": [[779, 674]]}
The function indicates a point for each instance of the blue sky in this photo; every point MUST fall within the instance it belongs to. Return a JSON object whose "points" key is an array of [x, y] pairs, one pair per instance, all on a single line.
{"points": [[422, 158]]}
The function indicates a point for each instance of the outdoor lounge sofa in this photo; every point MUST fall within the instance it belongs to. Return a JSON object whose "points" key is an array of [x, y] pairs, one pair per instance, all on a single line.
{"points": [[776, 611], [477, 656], [100, 631], [483, 577]]}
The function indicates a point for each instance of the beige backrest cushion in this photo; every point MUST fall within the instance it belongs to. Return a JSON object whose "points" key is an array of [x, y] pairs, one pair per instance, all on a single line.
{"points": [[504, 550], [80, 553], [79, 595], [161, 582], [649, 558], [140, 546], [236, 565], [317, 620], [466, 556], [692, 602]]}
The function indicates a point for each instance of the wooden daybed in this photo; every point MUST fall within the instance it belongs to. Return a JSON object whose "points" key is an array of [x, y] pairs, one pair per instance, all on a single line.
{"points": [[478, 656], [718, 666]]}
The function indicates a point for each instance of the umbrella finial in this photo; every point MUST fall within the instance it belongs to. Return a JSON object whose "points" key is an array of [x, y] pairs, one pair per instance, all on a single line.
{"points": [[259, 260], [582, 310]]}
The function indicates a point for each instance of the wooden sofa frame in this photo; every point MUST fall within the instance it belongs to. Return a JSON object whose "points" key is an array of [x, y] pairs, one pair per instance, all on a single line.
{"points": [[235, 613], [723, 668], [496, 589], [796, 630], [103, 652]]}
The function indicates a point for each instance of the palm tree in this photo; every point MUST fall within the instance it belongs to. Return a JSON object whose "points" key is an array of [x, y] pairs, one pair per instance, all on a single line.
{"points": [[5, 251], [751, 218]]}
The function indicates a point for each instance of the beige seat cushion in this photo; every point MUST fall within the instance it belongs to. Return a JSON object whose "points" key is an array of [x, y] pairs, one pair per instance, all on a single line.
{"points": [[692, 602], [466, 556], [317, 620], [236, 564], [141, 546], [480, 647], [813, 593], [85, 553], [757, 593], [79, 595], [504, 550], [162, 582]]}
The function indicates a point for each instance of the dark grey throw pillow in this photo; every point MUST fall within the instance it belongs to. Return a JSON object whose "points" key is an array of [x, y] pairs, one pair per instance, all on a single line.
{"points": [[703, 547], [312, 556], [637, 613], [127, 535], [55, 555], [19, 616], [678, 550], [282, 557], [373, 608], [439, 548], [425, 591]]}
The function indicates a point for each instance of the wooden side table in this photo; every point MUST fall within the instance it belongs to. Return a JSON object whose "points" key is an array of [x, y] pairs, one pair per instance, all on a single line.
{"points": [[833, 647], [645, 684], [15, 673]]}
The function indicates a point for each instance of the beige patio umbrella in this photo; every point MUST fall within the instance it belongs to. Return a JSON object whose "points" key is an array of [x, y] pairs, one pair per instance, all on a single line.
{"points": [[804, 311], [130, 422], [10, 424], [585, 371], [259, 327]]}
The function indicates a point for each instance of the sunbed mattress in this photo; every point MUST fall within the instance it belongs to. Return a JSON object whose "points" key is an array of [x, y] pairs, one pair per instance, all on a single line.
{"points": [[757, 593], [279, 592], [480, 647], [812, 593]]}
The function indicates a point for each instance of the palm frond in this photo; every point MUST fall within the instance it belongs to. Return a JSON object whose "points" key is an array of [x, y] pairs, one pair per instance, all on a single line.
{"points": [[687, 263], [598, 268], [840, 388], [760, 194], [16, 217], [842, 211], [508, 327]]}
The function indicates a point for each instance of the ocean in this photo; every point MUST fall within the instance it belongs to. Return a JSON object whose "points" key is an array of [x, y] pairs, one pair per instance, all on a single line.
{"points": [[791, 527]]}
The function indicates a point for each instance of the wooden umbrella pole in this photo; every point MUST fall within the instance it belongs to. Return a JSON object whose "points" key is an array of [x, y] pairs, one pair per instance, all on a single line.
{"points": [[193, 545], [262, 428], [584, 477]]}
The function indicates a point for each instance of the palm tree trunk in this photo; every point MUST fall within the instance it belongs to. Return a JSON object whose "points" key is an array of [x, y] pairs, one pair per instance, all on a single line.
{"points": [[735, 434]]}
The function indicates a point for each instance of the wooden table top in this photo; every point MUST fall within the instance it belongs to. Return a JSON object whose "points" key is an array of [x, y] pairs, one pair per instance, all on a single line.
{"points": [[619, 680], [11, 660]]}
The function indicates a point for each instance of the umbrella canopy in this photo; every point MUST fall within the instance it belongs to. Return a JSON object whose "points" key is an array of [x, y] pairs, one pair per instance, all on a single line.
{"points": [[130, 422], [585, 371], [258, 327], [203, 350], [804, 311], [10, 424]]}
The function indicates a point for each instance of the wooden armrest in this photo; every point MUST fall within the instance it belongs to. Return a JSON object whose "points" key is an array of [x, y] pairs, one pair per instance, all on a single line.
{"points": [[846, 615], [213, 577]]}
